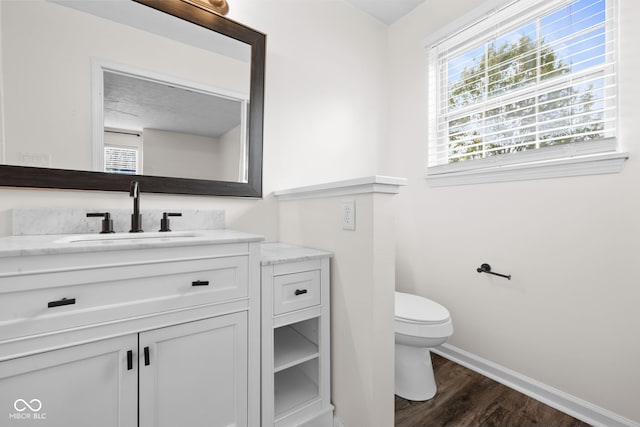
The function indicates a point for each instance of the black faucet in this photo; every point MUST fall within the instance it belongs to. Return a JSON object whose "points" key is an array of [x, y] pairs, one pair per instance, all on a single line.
{"points": [[136, 219]]}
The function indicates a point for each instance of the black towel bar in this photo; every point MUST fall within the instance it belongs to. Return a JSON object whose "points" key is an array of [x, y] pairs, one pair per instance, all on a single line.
{"points": [[486, 268]]}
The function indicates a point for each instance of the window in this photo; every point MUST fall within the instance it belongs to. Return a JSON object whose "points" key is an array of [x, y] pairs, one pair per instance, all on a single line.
{"points": [[120, 160], [122, 151], [530, 83]]}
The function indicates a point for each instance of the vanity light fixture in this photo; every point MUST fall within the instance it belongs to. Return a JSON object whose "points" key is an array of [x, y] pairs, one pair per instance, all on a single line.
{"points": [[221, 7]]}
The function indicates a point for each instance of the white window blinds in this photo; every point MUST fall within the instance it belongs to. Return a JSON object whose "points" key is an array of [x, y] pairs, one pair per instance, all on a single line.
{"points": [[533, 81], [120, 160]]}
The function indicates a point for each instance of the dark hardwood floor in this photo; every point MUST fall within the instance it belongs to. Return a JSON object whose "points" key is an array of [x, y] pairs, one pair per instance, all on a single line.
{"points": [[468, 399]]}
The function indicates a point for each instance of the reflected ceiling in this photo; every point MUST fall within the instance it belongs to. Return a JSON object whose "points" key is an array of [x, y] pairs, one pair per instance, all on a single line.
{"points": [[134, 104]]}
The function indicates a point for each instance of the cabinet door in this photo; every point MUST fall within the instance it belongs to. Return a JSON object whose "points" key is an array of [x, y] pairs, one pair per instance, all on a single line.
{"points": [[85, 385], [195, 374]]}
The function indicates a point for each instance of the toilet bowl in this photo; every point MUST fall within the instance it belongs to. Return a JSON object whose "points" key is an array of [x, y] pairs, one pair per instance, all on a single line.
{"points": [[420, 324]]}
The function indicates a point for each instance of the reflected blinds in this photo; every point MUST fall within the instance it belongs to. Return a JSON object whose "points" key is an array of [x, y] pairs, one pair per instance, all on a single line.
{"points": [[120, 160]]}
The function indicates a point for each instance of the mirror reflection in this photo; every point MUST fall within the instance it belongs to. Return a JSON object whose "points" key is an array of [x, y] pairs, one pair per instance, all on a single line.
{"points": [[170, 128], [97, 83]]}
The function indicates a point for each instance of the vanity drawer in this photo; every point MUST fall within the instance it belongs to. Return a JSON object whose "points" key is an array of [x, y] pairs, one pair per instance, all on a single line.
{"points": [[36, 303], [296, 291]]}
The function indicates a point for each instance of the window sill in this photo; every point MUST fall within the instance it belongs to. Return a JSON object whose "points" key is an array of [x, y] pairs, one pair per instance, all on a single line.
{"points": [[575, 166]]}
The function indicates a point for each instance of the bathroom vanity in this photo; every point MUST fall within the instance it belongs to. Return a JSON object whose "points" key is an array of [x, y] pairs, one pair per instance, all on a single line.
{"points": [[295, 337], [116, 330]]}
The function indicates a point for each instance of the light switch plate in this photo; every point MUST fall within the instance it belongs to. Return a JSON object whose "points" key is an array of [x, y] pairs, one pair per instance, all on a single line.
{"points": [[349, 215]]}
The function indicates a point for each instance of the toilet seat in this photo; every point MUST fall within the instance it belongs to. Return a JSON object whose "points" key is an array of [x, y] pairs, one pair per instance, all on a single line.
{"points": [[419, 310]]}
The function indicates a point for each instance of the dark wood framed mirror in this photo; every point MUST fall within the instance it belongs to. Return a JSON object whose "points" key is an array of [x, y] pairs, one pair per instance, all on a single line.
{"points": [[47, 177]]}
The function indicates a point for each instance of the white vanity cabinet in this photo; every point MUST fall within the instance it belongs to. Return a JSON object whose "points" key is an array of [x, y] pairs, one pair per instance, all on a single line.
{"points": [[158, 334], [80, 385], [195, 374], [295, 337]]}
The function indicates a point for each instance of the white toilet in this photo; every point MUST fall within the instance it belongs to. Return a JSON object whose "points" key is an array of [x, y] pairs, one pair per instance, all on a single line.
{"points": [[420, 324]]}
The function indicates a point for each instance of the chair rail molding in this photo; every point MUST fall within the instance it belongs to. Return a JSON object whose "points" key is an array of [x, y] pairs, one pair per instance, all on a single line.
{"points": [[363, 185]]}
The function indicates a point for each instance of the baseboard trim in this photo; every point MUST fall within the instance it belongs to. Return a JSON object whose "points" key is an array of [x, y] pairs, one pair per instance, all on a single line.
{"points": [[578, 408]]}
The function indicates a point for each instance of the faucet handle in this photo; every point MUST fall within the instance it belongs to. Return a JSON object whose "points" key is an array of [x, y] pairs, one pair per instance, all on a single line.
{"points": [[107, 222], [164, 222]]}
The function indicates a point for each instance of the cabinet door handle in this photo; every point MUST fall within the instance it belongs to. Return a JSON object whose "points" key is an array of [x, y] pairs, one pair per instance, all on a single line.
{"points": [[300, 291], [129, 360], [200, 283], [63, 301], [147, 362]]}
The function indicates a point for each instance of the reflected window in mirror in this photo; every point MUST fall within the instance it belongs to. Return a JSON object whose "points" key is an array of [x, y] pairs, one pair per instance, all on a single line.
{"points": [[122, 152]]}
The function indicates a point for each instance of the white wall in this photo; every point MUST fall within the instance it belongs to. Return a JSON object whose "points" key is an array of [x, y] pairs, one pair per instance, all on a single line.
{"points": [[362, 275], [192, 156], [326, 72], [569, 317], [180, 155], [229, 151]]}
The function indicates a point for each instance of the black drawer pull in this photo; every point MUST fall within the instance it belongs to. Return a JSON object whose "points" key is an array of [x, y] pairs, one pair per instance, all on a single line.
{"points": [[300, 291], [129, 360], [63, 301], [200, 283], [147, 362]]}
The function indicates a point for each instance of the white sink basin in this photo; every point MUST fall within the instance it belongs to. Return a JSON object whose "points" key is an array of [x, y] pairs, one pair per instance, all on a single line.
{"points": [[130, 237]]}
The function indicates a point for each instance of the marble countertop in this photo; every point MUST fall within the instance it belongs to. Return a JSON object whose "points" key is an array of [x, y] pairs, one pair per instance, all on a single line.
{"points": [[278, 253], [74, 243]]}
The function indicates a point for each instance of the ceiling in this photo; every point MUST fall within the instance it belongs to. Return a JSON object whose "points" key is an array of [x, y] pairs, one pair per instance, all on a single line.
{"points": [[386, 11], [133, 104]]}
